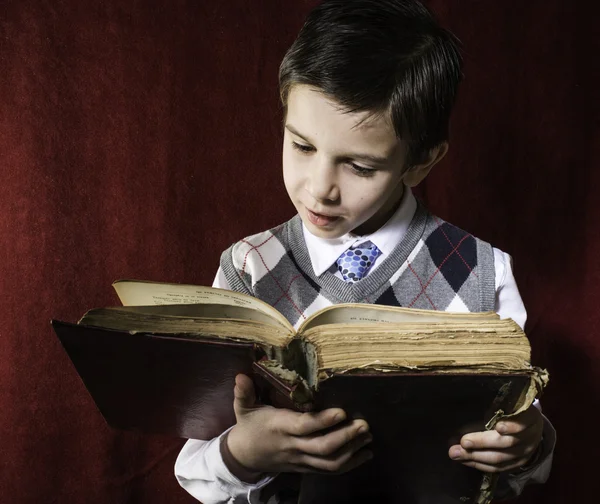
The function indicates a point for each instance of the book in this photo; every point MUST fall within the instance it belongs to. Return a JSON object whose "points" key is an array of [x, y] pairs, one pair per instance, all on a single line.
{"points": [[165, 362]]}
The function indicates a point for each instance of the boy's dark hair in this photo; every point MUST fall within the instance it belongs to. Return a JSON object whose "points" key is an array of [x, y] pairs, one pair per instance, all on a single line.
{"points": [[385, 56]]}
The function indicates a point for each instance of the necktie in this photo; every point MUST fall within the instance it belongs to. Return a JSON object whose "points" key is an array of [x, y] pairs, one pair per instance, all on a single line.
{"points": [[356, 261]]}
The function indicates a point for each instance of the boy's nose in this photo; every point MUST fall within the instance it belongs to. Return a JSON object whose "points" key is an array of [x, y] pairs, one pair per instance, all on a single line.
{"points": [[322, 184]]}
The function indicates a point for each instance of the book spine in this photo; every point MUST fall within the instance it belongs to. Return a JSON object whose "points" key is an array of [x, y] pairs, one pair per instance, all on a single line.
{"points": [[276, 391]]}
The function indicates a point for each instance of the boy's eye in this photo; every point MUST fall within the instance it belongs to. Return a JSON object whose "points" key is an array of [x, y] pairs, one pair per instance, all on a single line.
{"points": [[361, 170], [305, 149]]}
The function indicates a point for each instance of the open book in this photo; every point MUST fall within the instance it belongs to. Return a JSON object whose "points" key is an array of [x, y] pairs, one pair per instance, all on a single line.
{"points": [[167, 359]]}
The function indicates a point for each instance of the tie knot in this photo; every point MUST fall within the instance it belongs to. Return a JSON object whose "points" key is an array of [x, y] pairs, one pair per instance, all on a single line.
{"points": [[356, 261]]}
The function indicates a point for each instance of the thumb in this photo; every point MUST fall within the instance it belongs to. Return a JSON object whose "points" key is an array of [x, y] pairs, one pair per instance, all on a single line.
{"points": [[244, 395]]}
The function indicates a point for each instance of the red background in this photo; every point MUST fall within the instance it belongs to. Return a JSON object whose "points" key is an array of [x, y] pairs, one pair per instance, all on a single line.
{"points": [[139, 139]]}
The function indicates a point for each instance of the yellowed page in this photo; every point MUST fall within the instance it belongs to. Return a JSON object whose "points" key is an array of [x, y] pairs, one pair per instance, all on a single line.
{"points": [[361, 313], [144, 293], [500, 344], [147, 320], [204, 311]]}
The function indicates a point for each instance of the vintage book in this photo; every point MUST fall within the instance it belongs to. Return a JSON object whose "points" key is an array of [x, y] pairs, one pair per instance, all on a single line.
{"points": [[166, 360]]}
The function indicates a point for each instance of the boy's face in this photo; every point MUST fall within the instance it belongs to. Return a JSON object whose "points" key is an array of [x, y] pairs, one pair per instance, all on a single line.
{"points": [[341, 174]]}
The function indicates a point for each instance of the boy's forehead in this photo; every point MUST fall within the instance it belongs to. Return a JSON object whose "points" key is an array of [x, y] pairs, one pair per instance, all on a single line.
{"points": [[319, 118]]}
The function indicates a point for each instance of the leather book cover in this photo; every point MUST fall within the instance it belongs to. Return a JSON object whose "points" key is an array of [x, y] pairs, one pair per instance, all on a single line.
{"points": [[414, 420], [158, 384]]}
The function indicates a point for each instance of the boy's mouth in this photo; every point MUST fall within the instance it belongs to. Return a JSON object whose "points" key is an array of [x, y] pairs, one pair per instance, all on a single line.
{"points": [[320, 219]]}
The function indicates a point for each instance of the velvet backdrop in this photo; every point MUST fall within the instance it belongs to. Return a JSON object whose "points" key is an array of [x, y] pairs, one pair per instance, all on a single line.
{"points": [[139, 139]]}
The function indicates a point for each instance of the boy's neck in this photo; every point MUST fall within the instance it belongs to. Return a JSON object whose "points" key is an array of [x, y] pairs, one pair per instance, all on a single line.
{"points": [[383, 215]]}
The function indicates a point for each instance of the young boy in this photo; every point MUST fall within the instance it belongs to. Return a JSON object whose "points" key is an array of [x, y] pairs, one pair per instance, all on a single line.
{"points": [[367, 89]]}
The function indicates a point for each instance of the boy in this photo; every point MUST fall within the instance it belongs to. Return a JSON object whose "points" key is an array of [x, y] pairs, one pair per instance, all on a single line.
{"points": [[367, 89]]}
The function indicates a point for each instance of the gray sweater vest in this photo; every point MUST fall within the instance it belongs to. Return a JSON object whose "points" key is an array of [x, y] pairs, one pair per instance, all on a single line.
{"points": [[437, 266]]}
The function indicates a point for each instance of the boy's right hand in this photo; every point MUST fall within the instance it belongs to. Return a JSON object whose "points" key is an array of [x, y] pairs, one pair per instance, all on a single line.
{"points": [[267, 439]]}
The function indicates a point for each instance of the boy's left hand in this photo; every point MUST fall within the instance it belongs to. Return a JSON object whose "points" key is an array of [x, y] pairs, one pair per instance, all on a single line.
{"points": [[508, 446]]}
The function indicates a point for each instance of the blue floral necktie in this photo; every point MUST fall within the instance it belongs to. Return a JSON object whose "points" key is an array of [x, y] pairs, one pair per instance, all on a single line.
{"points": [[356, 261]]}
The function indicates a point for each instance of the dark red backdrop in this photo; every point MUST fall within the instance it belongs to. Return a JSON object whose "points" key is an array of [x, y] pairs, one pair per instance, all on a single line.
{"points": [[139, 139]]}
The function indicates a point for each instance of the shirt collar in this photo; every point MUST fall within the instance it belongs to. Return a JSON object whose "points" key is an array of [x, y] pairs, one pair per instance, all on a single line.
{"points": [[324, 252]]}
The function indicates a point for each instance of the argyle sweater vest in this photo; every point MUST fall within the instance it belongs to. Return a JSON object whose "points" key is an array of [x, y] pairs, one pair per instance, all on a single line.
{"points": [[437, 266]]}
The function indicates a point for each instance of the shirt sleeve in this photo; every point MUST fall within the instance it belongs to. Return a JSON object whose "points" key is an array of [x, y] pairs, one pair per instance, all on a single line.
{"points": [[510, 305], [201, 471], [508, 300]]}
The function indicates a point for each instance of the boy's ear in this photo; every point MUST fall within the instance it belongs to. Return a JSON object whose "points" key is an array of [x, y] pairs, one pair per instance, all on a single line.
{"points": [[417, 173]]}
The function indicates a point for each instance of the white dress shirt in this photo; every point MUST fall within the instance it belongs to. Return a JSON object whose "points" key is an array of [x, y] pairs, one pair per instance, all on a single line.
{"points": [[200, 468]]}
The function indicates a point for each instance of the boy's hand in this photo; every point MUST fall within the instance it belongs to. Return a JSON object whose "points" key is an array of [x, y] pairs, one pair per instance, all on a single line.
{"points": [[508, 446], [267, 439]]}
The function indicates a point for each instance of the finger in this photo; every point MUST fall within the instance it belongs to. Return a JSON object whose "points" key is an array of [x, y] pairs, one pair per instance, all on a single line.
{"points": [[305, 424], [480, 466], [350, 456], [495, 440], [529, 420], [489, 440], [349, 436], [358, 459], [496, 458], [511, 435], [244, 395], [528, 439]]}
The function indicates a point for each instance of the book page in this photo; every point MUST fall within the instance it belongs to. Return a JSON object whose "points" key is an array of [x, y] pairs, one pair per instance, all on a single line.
{"points": [[361, 313], [144, 293], [476, 343], [175, 321], [207, 311]]}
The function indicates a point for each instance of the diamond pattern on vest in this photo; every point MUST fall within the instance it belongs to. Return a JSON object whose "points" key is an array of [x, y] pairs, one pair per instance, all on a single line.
{"points": [[443, 272]]}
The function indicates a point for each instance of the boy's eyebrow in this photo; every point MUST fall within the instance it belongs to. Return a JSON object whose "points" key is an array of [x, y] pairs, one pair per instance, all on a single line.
{"points": [[366, 157], [293, 130]]}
